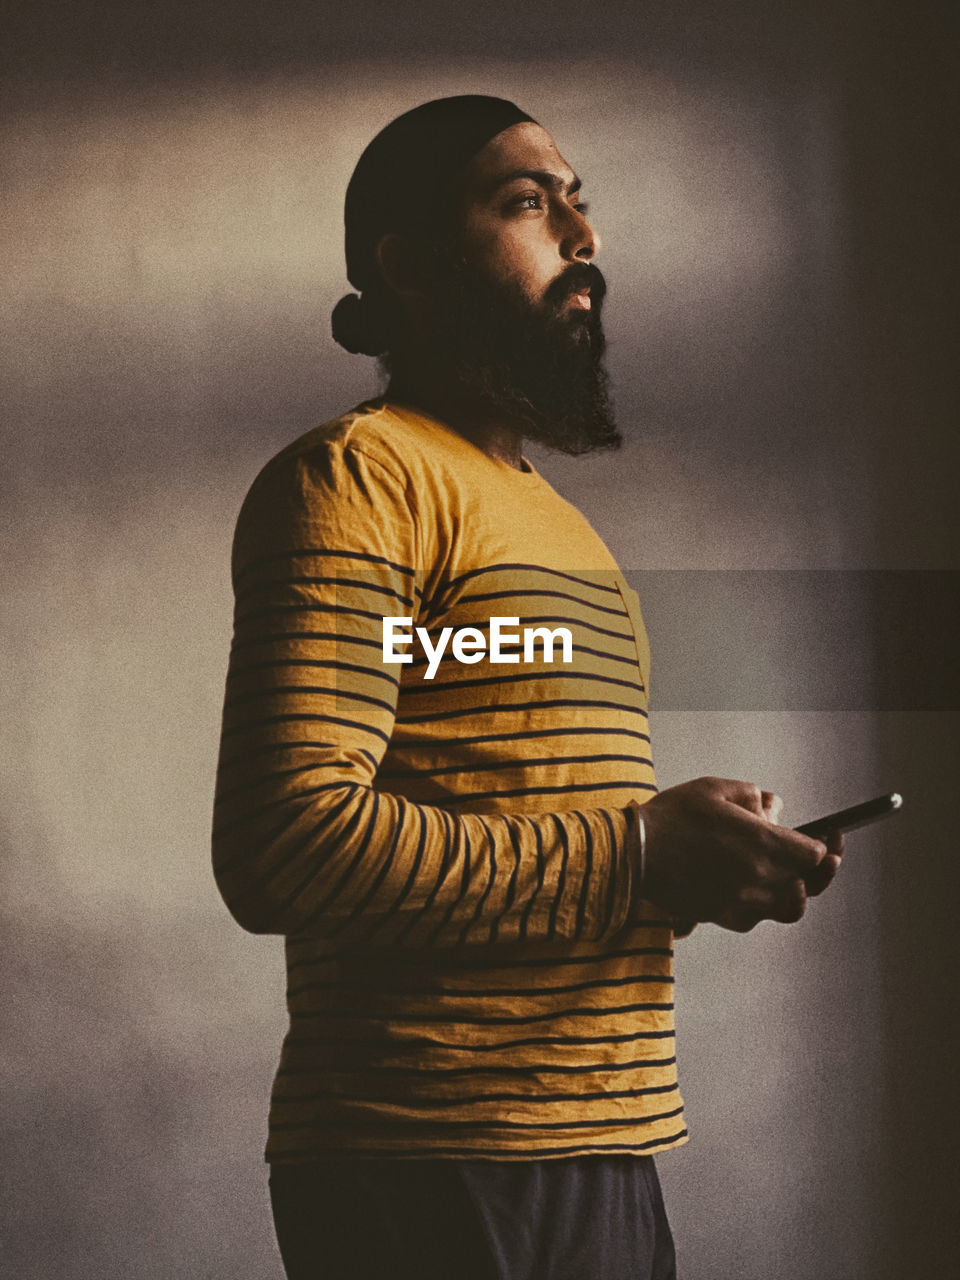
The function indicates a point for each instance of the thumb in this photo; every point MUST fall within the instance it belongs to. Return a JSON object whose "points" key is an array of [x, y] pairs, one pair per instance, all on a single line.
{"points": [[772, 806]]}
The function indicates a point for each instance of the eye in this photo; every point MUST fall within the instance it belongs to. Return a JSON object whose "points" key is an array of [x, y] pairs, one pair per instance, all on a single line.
{"points": [[582, 207], [530, 200]]}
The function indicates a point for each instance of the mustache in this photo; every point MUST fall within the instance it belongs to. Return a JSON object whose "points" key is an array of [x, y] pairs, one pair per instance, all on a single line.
{"points": [[577, 278]]}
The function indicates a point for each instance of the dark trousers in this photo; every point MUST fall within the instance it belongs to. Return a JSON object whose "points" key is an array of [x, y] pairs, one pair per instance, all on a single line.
{"points": [[590, 1218]]}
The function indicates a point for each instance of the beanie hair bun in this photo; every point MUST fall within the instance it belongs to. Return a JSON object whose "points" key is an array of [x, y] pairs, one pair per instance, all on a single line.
{"points": [[357, 326], [403, 182]]}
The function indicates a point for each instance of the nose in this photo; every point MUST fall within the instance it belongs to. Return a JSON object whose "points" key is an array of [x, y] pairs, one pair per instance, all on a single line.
{"points": [[579, 242]]}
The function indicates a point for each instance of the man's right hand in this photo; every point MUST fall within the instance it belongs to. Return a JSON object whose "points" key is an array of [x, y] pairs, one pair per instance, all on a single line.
{"points": [[714, 853]]}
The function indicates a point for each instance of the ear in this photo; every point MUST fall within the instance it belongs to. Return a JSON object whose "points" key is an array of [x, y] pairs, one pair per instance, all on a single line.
{"points": [[403, 265]]}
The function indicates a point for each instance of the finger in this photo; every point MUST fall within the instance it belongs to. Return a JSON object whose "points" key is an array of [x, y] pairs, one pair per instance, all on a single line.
{"points": [[797, 853], [835, 844], [821, 875], [745, 795], [772, 806], [783, 900], [790, 903], [739, 919]]}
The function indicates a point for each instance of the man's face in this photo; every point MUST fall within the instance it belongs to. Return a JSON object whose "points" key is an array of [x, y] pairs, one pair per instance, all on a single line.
{"points": [[522, 222], [514, 315]]}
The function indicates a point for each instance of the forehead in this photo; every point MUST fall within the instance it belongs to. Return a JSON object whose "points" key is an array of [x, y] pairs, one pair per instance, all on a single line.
{"points": [[522, 147]]}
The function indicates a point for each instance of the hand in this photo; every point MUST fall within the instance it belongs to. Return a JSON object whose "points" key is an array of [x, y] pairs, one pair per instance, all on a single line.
{"points": [[714, 852]]}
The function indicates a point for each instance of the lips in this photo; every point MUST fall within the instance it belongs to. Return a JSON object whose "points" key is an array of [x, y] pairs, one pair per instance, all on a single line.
{"points": [[580, 288], [579, 291]]}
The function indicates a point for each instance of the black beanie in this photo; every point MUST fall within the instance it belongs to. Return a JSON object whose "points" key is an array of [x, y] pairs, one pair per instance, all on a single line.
{"points": [[402, 183]]}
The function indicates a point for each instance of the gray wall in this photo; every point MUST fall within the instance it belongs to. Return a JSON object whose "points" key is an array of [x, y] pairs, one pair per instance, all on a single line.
{"points": [[771, 192]]}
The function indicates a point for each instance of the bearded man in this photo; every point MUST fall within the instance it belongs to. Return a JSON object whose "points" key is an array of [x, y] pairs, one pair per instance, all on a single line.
{"points": [[478, 881]]}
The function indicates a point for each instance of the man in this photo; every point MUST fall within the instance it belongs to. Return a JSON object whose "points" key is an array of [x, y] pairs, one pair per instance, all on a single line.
{"points": [[457, 827]]}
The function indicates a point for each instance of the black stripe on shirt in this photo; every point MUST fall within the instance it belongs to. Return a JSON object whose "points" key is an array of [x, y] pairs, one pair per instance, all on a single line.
{"points": [[617, 1122], [328, 664], [473, 993], [512, 1152], [242, 619], [560, 672], [466, 1100], [449, 657], [416, 744], [611, 902], [540, 962], [479, 625], [251, 725], [561, 876], [271, 691], [541, 879], [586, 884], [539, 704], [481, 903], [295, 744], [321, 553], [567, 788], [526, 592], [487, 1068], [403, 1015], [336, 582], [510, 567], [339, 637]]}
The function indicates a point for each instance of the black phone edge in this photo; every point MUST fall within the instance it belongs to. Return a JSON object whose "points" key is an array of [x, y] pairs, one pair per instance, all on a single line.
{"points": [[857, 815]]}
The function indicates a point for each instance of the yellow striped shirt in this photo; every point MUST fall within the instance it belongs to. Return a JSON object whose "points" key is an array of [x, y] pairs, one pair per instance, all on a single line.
{"points": [[469, 972]]}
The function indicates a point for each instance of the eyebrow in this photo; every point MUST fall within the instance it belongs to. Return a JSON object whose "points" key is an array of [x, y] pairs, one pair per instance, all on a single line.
{"points": [[541, 176]]}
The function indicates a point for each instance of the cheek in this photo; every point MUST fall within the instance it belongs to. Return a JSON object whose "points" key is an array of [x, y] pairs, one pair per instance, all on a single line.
{"points": [[525, 258]]}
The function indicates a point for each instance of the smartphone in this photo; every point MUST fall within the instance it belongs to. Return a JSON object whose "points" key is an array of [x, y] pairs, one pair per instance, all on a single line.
{"points": [[857, 815]]}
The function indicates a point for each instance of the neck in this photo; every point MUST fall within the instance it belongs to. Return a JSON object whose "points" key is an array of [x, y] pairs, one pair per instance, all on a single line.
{"points": [[446, 403]]}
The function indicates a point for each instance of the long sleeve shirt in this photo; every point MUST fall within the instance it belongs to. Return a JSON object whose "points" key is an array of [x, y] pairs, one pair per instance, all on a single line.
{"points": [[444, 843]]}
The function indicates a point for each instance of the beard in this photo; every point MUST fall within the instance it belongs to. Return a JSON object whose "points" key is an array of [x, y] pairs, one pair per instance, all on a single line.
{"points": [[538, 366]]}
